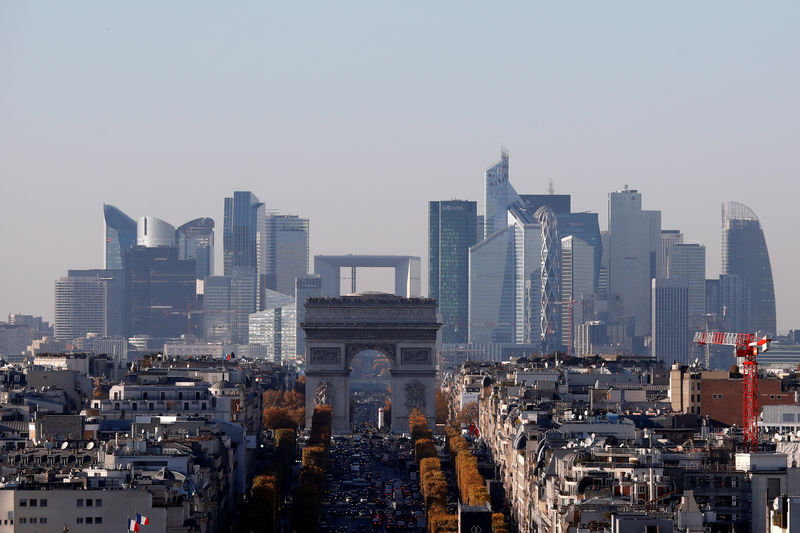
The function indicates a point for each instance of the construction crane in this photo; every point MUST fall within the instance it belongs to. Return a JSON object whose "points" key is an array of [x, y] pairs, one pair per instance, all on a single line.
{"points": [[748, 347]]}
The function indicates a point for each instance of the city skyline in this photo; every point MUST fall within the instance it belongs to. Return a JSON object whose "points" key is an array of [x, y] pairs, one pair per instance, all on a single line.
{"points": [[578, 127]]}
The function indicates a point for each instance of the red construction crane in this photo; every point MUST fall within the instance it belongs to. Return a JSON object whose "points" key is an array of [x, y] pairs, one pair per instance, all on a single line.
{"points": [[747, 347]]}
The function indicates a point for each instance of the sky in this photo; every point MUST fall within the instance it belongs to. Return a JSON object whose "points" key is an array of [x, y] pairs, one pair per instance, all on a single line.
{"points": [[356, 114]]}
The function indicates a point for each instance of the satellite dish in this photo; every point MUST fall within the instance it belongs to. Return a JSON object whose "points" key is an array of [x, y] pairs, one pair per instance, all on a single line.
{"points": [[65, 445], [587, 441], [90, 446]]}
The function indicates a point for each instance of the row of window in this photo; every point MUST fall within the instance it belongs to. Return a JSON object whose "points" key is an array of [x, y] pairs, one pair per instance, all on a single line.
{"points": [[33, 502], [89, 502], [151, 406], [32, 520], [89, 520], [718, 396], [163, 396]]}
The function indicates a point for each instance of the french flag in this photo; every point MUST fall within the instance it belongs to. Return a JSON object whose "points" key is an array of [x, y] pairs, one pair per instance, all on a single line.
{"points": [[133, 525], [142, 520]]}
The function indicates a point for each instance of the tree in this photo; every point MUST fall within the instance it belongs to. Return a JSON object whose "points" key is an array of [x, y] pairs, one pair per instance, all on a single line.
{"points": [[294, 400], [272, 398], [278, 418], [442, 408], [468, 414]]}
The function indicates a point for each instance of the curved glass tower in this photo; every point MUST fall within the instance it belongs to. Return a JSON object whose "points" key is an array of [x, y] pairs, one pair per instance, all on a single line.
{"points": [[152, 232], [744, 252], [120, 232]]}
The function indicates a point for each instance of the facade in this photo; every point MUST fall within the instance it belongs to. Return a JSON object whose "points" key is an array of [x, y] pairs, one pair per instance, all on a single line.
{"points": [[669, 237], [498, 195], [585, 226], [406, 272], [687, 262], [308, 286], [161, 293], [634, 252], [196, 241], [577, 284], [670, 342], [120, 234], [228, 302], [492, 288], [286, 252], [549, 281], [114, 281], [152, 232], [451, 232], [80, 307], [275, 327], [244, 237], [734, 303], [744, 252]]}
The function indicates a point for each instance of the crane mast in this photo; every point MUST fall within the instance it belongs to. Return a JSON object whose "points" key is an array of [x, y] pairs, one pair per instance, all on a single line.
{"points": [[747, 347]]}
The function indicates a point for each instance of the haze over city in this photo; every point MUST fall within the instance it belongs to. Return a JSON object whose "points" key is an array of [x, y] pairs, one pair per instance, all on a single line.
{"points": [[355, 116]]}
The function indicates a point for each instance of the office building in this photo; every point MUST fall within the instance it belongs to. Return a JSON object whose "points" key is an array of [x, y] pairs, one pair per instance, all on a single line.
{"points": [[307, 286], [498, 196], [687, 262], [735, 303], [276, 326], [669, 237], [80, 307], [228, 302], [451, 231], [120, 233], [114, 280], [549, 287], [744, 252], [577, 285], [492, 289], [634, 252], [160, 291], [244, 237], [286, 251], [152, 232], [196, 241], [670, 340], [406, 272]]}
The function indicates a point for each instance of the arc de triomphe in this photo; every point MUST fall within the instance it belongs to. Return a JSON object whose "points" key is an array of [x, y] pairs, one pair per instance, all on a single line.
{"points": [[403, 329]]}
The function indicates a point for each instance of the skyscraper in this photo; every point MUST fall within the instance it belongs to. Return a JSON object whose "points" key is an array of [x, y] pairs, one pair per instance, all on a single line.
{"points": [[286, 251], [669, 237], [114, 306], [577, 284], [687, 262], [244, 237], [735, 303], [80, 307], [451, 231], [196, 241], [634, 251], [492, 288], [160, 292], [744, 252], [670, 342], [120, 230], [550, 280], [498, 196], [152, 232], [275, 327], [306, 286]]}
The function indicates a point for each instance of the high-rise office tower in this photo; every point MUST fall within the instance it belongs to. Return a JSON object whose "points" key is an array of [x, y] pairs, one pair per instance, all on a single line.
{"points": [[669, 237], [735, 303], [114, 305], [634, 251], [451, 232], [498, 196], [492, 288], [577, 284], [687, 262], [550, 280], [670, 342], [527, 282], [80, 307], [243, 302], [275, 326], [286, 252], [217, 311], [160, 292], [196, 241], [306, 286], [152, 232], [120, 232], [244, 237], [744, 252]]}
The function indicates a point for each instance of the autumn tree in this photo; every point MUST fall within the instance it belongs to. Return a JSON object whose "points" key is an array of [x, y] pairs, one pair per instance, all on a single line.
{"points": [[442, 408], [278, 418], [468, 414]]}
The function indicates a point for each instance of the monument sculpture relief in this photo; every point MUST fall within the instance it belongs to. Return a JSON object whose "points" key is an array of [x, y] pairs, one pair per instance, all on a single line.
{"points": [[321, 394], [415, 396]]}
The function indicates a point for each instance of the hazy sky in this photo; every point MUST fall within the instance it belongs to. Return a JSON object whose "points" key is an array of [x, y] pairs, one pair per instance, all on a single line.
{"points": [[357, 114]]}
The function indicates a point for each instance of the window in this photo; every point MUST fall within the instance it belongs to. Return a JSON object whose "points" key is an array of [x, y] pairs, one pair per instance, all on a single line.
{"points": [[203, 406], [79, 520], [33, 503], [186, 405], [180, 395], [88, 502], [23, 520], [150, 406], [144, 396], [43, 520], [98, 503], [23, 503], [43, 503], [163, 396], [79, 502], [89, 520], [32, 520], [116, 406], [98, 519]]}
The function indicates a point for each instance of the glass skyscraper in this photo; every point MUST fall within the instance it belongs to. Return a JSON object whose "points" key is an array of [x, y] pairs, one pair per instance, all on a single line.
{"points": [[244, 237], [120, 230], [452, 229], [492, 288], [196, 241], [286, 254], [744, 252]]}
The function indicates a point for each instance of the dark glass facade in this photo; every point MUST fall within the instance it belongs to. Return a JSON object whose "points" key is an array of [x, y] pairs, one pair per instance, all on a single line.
{"points": [[744, 252], [160, 293], [452, 230], [243, 238], [196, 241], [120, 236]]}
